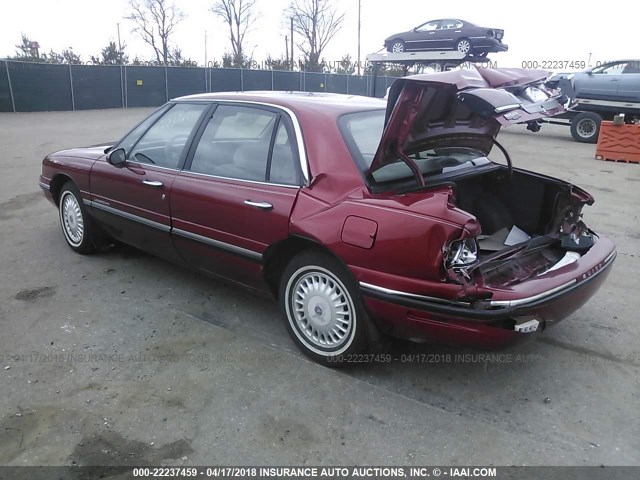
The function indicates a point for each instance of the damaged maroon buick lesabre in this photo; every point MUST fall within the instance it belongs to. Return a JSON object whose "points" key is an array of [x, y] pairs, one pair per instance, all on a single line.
{"points": [[364, 218]]}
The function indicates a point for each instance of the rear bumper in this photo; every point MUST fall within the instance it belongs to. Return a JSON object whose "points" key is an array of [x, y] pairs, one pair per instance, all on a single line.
{"points": [[491, 44], [486, 325]]}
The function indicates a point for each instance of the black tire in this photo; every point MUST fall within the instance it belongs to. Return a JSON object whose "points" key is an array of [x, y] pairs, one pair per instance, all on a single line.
{"points": [[461, 43], [314, 269], [75, 222], [585, 127], [397, 46]]}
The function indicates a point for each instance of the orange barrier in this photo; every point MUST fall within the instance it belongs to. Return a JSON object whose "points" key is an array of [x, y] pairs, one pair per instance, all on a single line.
{"points": [[618, 143]]}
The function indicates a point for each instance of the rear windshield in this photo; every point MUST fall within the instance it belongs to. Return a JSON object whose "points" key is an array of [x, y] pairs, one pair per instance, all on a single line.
{"points": [[363, 130]]}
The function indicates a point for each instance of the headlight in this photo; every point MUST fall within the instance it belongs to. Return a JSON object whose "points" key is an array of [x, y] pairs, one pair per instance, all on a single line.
{"points": [[462, 253]]}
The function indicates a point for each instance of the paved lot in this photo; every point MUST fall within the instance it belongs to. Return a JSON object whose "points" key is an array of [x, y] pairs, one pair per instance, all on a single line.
{"points": [[120, 358]]}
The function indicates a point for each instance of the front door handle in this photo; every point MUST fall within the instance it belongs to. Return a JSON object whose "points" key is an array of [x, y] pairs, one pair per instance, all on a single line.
{"points": [[260, 205], [152, 183]]}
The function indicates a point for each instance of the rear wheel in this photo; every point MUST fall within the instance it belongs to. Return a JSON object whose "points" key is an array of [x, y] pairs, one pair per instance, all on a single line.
{"points": [[322, 309], [76, 225], [585, 127], [463, 46]]}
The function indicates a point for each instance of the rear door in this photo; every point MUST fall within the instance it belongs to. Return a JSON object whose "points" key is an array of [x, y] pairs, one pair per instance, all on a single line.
{"points": [[629, 89], [132, 200], [447, 34], [235, 196]]}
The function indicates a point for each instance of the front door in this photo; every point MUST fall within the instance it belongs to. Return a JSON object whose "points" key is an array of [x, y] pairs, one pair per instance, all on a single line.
{"points": [[234, 198], [424, 37], [132, 200], [601, 84]]}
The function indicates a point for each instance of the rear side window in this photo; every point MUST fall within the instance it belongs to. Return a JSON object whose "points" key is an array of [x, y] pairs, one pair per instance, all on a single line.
{"points": [[283, 160], [246, 143]]}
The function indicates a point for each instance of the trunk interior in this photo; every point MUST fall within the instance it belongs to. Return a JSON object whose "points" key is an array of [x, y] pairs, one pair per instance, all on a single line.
{"points": [[525, 209], [525, 201]]}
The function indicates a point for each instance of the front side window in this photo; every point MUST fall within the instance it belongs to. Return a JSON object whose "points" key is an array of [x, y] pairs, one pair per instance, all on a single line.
{"points": [[164, 143], [615, 69], [132, 137], [239, 143], [428, 27]]}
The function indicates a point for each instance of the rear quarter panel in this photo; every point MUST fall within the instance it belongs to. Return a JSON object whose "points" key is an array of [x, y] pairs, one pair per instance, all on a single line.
{"points": [[407, 251]]}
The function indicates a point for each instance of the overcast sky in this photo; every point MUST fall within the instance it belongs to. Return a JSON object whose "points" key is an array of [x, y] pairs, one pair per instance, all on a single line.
{"points": [[534, 31]]}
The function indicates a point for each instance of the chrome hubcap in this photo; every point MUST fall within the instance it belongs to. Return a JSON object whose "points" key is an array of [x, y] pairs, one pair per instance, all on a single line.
{"points": [[464, 46], [397, 47], [71, 217], [586, 128], [321, 308]]}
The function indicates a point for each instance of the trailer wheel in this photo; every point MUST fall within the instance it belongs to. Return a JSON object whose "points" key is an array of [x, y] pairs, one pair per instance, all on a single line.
{"points": [[585, 127]]}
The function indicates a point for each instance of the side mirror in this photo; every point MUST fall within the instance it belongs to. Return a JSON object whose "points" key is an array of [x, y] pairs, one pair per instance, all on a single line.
{"points": [[117, 157]]}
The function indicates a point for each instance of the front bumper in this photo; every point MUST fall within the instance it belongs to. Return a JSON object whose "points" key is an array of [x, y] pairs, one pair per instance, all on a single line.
{"points": [[489, 324]]}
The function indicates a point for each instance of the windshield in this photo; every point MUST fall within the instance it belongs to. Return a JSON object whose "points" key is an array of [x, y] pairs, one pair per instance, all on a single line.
{"points": [[441, 155]]}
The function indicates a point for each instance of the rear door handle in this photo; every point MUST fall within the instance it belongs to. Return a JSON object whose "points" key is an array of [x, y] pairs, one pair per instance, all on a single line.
{"points": [[260, 205], [152, 183]]}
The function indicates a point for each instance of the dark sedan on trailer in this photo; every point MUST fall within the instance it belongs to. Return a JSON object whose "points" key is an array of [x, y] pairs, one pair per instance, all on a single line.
{"points": [[448, 34], [362, 217]]}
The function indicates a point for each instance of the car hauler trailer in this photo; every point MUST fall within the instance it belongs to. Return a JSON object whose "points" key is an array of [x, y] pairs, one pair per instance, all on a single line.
{"points": [[443, 59], [583, 116]]}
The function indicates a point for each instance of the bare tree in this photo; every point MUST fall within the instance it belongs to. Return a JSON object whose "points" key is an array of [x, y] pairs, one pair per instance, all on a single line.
{"points": [[155, 21], [318, 22], [27, 51], [239, 15]]}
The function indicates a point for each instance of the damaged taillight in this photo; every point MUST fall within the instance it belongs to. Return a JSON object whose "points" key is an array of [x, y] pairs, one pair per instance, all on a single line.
{"points": [[462, 253]]}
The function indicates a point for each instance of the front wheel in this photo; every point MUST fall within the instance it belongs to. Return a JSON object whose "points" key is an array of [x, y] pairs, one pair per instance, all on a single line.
{"points": [[322, 309], [75, 223]]}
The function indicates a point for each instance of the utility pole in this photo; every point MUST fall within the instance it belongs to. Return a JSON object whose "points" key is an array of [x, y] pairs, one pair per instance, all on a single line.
{"points": [[292, 44], [119, 44], [359, 25], [286, 48], [205, 49]]}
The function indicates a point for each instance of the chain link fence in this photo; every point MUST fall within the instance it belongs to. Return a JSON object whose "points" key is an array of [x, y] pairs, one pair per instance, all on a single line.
{"points": [[33, 87]]}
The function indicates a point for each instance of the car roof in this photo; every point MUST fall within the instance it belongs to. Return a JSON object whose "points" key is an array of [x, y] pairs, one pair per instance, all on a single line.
{"points": [[327, 103]]}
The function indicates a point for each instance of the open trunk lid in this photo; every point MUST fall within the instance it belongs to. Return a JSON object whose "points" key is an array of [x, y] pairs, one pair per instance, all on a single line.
{"points": [[468, 104]]}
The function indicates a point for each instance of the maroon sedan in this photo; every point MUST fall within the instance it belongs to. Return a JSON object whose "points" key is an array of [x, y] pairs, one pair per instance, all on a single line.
{"points": [[361, 216]]}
